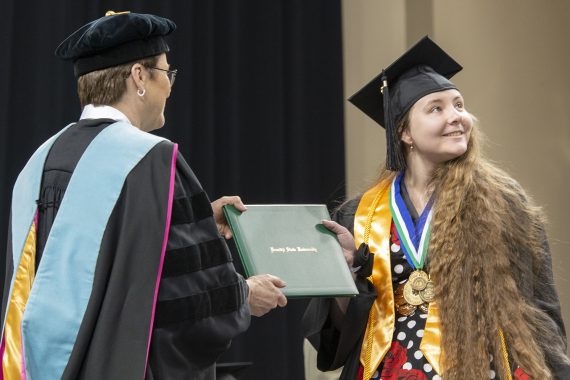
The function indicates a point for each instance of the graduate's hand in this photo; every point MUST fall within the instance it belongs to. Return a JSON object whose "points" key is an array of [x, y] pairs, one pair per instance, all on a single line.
{"points": [[345, 238], [264, 294], [346, 241], [221, 222]]}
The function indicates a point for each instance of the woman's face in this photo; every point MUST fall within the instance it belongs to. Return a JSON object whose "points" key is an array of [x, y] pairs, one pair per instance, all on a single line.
{"points": [[439, 127], [157, 91]]}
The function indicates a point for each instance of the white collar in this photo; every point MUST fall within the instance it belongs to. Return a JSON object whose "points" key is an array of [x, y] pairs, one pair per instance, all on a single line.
{"points": [[91, 111]]}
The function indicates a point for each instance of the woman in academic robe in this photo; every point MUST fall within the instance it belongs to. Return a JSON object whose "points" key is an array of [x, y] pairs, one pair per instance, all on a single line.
{"points": [[451, 259], [116, 264]]}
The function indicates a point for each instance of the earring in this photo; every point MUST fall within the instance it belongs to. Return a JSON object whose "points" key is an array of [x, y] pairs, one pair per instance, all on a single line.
{"points": [[141, 92], [412, 147]]}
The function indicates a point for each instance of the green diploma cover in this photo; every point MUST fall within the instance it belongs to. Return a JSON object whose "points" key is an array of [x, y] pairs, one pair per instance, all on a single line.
{"points": [[290, 242]]}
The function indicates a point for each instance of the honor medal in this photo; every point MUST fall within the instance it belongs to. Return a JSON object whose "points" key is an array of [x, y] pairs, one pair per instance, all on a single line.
{"points": [[428, 293], [412, 296], [419, 279]]}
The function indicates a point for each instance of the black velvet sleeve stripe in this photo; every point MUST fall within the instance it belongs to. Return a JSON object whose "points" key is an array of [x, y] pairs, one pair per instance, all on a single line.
{"points": [[198, 306], [189, 210], [190, 259]]}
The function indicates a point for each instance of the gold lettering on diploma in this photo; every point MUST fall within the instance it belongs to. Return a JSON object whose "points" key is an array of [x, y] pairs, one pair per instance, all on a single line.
{"points": [[293, 249]]}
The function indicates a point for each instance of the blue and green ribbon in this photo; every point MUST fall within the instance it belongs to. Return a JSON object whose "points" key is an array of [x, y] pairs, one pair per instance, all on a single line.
{"points": [[414, 238]]}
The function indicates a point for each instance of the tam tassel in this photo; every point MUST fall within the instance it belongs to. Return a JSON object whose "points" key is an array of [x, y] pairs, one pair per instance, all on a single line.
{"points": [[395, 160]]}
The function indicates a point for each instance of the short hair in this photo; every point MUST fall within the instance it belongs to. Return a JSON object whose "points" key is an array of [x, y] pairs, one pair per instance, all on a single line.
{"points": [[107, 86]]}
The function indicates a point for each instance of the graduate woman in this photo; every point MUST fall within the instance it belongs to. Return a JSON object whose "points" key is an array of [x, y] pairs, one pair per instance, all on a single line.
{"points": [[452, 262]]}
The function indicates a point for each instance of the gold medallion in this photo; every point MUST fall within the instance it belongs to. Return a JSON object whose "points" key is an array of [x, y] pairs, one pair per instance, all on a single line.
{"points": [[416, 293], [419, 279], [419, 283], [417, 273], [412, 296], [428, 293]]}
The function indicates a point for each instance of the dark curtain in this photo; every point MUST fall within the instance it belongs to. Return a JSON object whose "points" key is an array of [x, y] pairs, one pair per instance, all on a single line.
{"points": [[256, 110]]}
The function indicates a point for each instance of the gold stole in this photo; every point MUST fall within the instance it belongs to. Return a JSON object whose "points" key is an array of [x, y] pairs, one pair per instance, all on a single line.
{"points": [[372, 223], [25, 273]]}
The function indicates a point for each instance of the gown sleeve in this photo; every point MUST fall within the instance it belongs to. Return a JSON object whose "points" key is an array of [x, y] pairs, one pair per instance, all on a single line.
{"points": [[534, 276], [340, 345], [546, 299], [202, 301]]}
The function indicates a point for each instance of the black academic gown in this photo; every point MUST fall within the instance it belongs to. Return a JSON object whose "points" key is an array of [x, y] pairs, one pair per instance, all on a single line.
{"points": [[202, 301]]}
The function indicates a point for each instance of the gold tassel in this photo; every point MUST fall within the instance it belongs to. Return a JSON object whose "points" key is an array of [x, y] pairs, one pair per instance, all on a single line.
{"points": [[113, 13]]}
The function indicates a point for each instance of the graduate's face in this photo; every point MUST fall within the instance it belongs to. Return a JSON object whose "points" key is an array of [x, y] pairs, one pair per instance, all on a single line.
{"points": [[439, 127], [157, 91]]}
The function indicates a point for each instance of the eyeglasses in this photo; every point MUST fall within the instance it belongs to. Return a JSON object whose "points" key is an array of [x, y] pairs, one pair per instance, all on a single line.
{"points": [[170, 73]]}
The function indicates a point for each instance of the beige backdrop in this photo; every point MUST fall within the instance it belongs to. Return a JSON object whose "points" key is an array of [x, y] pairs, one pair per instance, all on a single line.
{"points": [[516, 80]]}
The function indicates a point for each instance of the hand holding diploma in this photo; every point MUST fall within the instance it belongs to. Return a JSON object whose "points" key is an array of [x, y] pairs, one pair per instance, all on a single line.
{"points": [[264, 294], [221, 222], [346, 241]]}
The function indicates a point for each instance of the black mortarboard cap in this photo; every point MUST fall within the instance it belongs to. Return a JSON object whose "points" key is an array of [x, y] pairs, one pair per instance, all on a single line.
{"points": [[425, 68], [114, 39]]}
